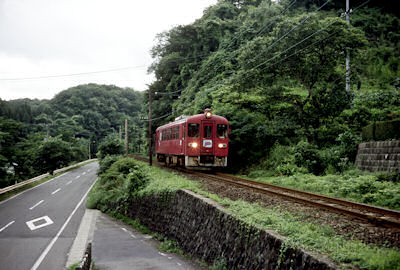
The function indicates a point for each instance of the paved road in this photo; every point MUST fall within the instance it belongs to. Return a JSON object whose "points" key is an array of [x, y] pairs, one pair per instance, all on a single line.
{"points": [[119, 247], [37, 227]]}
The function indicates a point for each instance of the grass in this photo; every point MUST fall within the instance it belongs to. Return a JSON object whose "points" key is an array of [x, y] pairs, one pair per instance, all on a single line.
{"points": [[352, 185], [319, 239]]}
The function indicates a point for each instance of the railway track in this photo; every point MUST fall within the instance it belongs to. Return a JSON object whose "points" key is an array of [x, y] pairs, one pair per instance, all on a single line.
{"points": [[372, 214]]}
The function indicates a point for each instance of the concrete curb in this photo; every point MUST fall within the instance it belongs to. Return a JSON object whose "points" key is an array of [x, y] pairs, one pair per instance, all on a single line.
{"points": [[83, 237]]}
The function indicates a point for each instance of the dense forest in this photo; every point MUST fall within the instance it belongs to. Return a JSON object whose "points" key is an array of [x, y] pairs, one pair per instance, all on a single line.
{"points": [[275, 69], [38, 136]]}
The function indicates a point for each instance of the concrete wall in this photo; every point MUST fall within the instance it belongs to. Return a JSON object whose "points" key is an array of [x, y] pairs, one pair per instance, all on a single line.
{"points": [[205, 231], [379, 156]]}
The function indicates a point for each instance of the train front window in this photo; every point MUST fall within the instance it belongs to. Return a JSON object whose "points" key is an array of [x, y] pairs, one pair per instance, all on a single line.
{"points": [[193, 130], [207, 131], [222, 131]]}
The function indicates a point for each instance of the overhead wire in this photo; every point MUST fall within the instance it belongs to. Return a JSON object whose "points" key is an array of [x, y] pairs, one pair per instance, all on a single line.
{"points": [[71, 74], [282, 37], [290, 31]]}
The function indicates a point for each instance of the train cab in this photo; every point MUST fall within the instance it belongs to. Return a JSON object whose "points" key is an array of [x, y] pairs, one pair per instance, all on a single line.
{"points": [[194, 141]]}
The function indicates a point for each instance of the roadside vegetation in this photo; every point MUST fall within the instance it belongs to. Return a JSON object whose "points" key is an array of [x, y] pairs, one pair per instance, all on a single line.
{"points": [[127, 178], [40, 136]]}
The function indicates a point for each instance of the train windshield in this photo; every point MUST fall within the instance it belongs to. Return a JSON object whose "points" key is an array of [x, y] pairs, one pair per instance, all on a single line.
{"points": [[222, 131], [193, 130], [207, 131]]}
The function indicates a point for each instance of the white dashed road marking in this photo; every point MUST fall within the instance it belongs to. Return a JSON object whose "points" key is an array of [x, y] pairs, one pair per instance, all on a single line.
{"points": [[69, 183], [55, 191], [77, 177], [83, 173], [32, 226], [5, 227], [31, 208]]}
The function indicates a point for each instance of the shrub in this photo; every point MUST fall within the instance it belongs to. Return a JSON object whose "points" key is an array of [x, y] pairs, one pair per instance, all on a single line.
{"points": [[110, 146], [106, 162], [117, 185], [306, 155], [381, 131]]}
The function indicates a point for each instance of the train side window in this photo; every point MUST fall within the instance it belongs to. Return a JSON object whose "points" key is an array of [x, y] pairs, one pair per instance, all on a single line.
{"points": [[174, 133], [193, 130], [207, 132], [177, 132], [183, 132], [222, 131]]}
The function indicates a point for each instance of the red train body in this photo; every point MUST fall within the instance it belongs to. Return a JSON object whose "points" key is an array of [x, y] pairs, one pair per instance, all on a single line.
{"points": [[194, 141]]}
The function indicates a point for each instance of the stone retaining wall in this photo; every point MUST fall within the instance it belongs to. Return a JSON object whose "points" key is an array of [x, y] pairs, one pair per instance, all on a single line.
{"points": [[206, 231], [379, 156]]}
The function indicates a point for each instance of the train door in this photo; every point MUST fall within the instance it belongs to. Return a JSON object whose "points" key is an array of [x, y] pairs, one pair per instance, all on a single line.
{"points": [[206, 139]]}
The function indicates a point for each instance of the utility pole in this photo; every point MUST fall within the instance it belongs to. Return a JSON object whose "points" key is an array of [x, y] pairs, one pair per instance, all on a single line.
{"points": [[126, 136], [150, 145], [348, 50], [89, 150], [120, 134]]}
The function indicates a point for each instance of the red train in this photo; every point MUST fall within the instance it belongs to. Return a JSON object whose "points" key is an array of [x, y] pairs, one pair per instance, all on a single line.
{"points": [[194, 141]]}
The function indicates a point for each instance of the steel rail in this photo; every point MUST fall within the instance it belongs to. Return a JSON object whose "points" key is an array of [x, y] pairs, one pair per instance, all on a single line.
{"points": [[367, 207], [375, 215]]}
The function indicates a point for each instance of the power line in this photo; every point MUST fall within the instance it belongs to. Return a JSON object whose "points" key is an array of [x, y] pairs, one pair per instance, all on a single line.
{"points": [[290, 31], [71, 74]]}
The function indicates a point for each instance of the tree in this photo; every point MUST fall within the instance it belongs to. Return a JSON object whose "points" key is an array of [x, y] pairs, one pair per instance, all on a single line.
{"points": [[53, 154], [110, 146]]}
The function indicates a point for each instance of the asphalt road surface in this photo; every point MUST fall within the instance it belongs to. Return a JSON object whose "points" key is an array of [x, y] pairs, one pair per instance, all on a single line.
{"points": [[37, 227]]}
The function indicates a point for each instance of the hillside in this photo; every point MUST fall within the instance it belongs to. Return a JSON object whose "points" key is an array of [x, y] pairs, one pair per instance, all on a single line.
{"points": [[68, 123], [276, 70]]}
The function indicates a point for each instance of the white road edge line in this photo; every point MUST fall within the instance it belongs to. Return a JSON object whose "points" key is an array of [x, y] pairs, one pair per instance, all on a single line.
{"points": [[31, 208], [55, 191], [47, 249], [32, 188], [5, 227]]}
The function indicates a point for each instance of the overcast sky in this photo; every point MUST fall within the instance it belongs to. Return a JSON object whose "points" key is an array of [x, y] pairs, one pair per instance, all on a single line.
{"points": [[40, 38]]}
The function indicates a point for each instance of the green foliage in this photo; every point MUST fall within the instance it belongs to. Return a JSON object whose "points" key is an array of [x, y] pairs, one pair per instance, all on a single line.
{"points": [[219, 264], [110, 146], [81, 116], [306, 155], [170, 246], [106, 163], [381, 131], [119, 183], [388, 177], [53, 154], [283, 90], [378, 190], [309, 236]]}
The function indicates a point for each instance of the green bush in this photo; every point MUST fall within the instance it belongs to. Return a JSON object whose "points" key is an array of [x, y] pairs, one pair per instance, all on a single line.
{"points": [[106, 162], [306, 155], [110, 146], [388, 176], [381, 131], [119, 183]]}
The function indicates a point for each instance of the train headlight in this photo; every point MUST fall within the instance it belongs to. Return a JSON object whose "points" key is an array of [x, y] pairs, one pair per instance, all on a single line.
{"points": [[207, 113], [222, 145], [193, 145]]}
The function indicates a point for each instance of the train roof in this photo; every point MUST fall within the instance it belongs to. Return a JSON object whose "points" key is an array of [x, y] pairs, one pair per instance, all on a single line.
{"points": [[195, 118]]}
